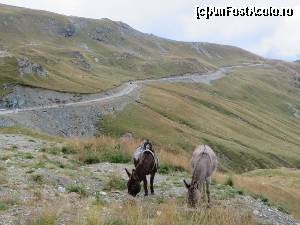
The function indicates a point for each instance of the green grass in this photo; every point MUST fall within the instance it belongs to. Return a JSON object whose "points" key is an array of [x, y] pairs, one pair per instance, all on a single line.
{"points": [[79, 189], [115, 183], [244, 118], [3, 206], [166, 169]]}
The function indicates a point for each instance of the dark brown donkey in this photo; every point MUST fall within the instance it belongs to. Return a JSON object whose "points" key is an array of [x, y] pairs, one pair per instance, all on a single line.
{"points": [[146, 164]]}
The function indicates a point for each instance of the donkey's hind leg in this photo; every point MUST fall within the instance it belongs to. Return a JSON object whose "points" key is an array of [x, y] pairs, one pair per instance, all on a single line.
{"points": [[203, 193], [151, 183], [145, 185], [207, 181]]}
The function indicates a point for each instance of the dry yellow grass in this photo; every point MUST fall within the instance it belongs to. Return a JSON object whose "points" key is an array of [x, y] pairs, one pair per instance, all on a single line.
{"points": [[103, 144], [281, 186], [137, 213]]}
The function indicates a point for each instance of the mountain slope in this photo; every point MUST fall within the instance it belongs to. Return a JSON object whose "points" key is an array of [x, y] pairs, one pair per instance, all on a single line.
{"points": [[53, 51], [251, 118]]}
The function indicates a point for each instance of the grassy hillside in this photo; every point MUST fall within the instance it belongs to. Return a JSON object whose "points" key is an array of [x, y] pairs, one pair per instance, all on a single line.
{"points": [[248, 118], [87, 55]]}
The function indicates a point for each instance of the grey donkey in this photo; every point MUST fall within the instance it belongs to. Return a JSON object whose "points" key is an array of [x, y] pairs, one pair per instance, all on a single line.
{"points": [[204, 162]]}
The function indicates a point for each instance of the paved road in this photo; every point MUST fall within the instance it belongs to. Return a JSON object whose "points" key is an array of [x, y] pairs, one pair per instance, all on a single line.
{"points": [[128, 87]]}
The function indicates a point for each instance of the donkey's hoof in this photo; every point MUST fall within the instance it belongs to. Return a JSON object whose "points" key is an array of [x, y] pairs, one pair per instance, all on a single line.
{"points": [[152, 193], [146, 194]]}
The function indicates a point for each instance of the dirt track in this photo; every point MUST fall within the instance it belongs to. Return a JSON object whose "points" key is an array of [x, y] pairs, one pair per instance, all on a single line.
{"points": [[69, 114]]}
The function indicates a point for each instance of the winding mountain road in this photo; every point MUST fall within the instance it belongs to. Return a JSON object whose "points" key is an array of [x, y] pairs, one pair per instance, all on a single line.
{"points": [[129, 87]]}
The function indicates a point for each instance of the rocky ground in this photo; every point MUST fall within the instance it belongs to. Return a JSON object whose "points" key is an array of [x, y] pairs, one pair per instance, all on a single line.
{"points": [[36, 173]]}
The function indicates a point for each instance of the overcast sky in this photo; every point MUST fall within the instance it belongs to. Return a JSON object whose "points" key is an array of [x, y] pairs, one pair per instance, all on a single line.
{"points": [[274, 37]]}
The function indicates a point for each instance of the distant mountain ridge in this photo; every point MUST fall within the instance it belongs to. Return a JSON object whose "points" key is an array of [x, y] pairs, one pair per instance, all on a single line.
{"points": [[48, 50]]}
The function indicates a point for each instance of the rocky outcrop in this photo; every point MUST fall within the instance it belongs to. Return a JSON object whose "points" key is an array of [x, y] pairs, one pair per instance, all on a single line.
{"points": [[25, 67], [79, 60], [68, 31], [102, 34]]}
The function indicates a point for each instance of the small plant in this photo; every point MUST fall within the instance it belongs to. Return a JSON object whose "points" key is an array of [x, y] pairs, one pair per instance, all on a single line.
{"points": [[68, 150], [79, 189], [229, 181], [28, 155], [240, 192], [91, 158], [37, 178], [54, 150], [115, 182], [282, 209], [3, 206], [2, 168]]}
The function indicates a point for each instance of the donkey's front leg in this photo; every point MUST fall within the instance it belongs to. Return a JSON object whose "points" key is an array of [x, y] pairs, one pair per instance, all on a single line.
{"points": [[151, 183], [145, 185]]}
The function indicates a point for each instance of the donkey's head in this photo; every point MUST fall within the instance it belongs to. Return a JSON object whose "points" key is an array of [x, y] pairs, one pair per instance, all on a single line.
{"points": [[133, 184], [193, 194]]}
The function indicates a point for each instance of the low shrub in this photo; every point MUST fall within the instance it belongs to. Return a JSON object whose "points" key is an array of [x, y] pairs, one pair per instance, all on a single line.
{"points": [[79, 189]]}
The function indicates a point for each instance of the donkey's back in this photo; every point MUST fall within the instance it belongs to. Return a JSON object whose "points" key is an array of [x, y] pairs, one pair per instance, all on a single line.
{"points": [[204, 152]]}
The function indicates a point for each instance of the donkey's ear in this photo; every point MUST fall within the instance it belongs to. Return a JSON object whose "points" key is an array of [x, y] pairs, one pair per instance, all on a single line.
{"points": [[134, 175], [128, 173], [186, 184]]}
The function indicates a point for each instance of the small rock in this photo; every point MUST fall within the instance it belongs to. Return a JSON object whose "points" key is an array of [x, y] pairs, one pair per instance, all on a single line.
{"points": [[61, 189], [103, 193]]}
